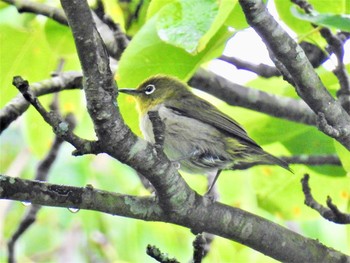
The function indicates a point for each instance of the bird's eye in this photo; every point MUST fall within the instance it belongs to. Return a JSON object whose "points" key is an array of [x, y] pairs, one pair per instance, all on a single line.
{"points": [[150, 89]]}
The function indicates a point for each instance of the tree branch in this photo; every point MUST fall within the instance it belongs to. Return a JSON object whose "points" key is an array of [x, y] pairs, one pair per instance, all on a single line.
{"points": [[18, 105], [61, 127], [308, 84], [40, 9], [237, 95], [335, 46], [262, 70], [228, 222], [331, 213], [113, 37], [155, 253]]}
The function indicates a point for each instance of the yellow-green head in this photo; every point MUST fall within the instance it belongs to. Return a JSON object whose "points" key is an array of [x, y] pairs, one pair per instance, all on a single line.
{"points": [[156, 90]]}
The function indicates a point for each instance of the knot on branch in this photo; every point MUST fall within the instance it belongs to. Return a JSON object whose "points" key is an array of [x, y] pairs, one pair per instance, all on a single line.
{"points": [[323, 125]]}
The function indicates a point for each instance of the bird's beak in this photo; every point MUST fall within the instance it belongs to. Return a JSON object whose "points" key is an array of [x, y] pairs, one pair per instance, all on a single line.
{"points": [[132, 92]]}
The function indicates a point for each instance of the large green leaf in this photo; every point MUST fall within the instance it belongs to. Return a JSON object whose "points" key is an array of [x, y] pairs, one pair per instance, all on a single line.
{"points": [[180, 25], [60, 38], [148, 55]]}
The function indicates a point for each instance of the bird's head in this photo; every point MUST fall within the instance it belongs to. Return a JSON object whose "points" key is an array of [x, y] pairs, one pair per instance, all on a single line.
{"points": [[156, 90]]}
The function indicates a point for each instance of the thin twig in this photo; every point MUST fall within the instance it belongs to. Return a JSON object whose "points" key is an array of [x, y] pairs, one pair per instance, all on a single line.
{"points": [[155, 253], [331, 213], [18, 105], [61, 127], [262, 70]]}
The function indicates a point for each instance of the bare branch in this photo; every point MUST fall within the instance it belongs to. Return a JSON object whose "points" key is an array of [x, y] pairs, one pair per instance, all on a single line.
{"points": [[262, 70], [61, 127], [331, 213], [155, 253], [18, 105], [222, 220], [237, 95], [199, 244], [40, 9]]}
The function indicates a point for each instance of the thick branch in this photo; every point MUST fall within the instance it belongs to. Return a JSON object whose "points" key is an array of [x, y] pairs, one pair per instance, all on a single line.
{"points": [[229, 222], [308, 84], [115, 138], [237, 95]]}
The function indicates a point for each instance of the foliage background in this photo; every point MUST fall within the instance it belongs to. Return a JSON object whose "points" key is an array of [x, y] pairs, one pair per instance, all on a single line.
{"points": [[163, 42]]}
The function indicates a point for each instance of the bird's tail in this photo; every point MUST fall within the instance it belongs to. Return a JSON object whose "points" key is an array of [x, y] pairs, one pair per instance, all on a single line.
{"points": [[260, 157], [270, 159]]}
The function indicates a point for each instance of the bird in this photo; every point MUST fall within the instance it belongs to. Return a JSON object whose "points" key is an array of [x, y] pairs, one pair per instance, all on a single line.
{"points": [[195, 134]]}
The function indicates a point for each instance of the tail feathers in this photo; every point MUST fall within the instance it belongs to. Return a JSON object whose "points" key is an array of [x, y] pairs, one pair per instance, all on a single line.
{"points": [[270, 159], [260, 157]]}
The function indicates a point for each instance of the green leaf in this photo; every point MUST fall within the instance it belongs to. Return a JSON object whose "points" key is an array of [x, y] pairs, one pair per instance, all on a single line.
{"points": [[236, 19], [303, 28], [341, 22], [344, 155], [59, 38], [25, 53], [183, 23], [225, 9], [156, 5], [148, 55], [314, 142]]}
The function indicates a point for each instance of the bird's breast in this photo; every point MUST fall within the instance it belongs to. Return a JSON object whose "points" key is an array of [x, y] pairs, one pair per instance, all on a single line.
{"points": [[185, 139]]}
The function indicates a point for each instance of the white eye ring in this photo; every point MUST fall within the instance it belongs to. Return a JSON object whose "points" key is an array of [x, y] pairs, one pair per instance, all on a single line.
{"points": [[150, 89]]}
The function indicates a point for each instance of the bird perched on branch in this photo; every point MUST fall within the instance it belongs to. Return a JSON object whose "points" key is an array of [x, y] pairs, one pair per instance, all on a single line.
{"points": [[193, 132]]}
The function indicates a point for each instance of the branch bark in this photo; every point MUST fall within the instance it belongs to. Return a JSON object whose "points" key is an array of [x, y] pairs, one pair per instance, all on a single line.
{"points": [[225, 221], [113, 37], [237, 95], [18, 105], [331, 212], [308, 84]]}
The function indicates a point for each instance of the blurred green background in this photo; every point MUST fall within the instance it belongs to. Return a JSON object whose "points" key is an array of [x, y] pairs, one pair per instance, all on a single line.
{"points": [[163, 42]]}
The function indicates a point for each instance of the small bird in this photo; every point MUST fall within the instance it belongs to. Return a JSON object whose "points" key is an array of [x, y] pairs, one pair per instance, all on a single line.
{"points": [[197, 135]]}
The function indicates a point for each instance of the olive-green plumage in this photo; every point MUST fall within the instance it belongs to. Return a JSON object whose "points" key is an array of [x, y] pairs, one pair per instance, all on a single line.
{"points": [[196, 134]]}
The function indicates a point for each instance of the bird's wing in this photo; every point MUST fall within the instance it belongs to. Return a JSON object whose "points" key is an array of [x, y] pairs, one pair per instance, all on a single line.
{"points": [[202, 110]]}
